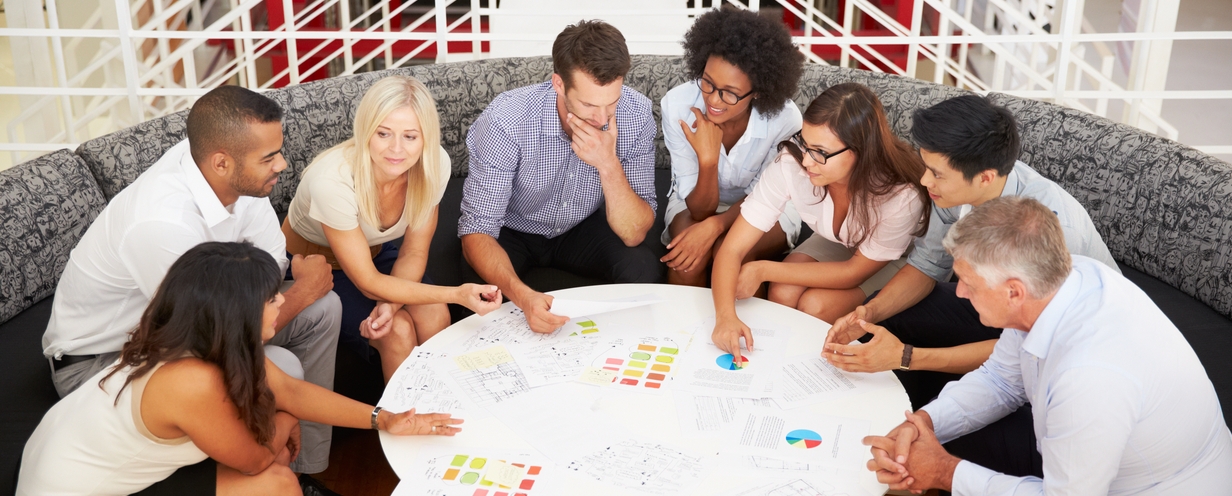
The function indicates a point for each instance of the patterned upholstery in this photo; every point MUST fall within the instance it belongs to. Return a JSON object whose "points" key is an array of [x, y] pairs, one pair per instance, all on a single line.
{"points": [[1162, 207], [118, 158], [46, 205]]}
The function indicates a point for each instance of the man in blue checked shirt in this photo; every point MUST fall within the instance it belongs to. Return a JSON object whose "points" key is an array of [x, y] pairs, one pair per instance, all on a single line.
{"points": [[1120, 401], [562, 175]]}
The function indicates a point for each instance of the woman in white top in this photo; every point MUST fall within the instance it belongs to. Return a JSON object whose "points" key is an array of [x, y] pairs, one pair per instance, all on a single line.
{"points": [[722, 130], [193, 382], [856, 185], [356, 198]]}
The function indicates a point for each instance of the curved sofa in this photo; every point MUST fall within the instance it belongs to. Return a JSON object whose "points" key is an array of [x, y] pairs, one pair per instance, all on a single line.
{"points": [[1164, 209]]}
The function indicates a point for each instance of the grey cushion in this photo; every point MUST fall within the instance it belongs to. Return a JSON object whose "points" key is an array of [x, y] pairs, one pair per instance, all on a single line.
{"points": [[46, 205], [118, 158], [1162, 207]]}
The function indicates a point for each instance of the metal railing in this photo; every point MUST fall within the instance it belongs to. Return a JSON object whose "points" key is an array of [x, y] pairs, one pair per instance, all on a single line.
{"points": [[91, 72]]}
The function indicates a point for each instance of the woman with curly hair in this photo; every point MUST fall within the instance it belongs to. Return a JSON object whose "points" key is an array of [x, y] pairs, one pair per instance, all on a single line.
{"points": [[193, 382], [857, 187], [721, 129]]}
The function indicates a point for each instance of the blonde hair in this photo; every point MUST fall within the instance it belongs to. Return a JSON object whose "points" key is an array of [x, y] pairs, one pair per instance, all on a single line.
{"points": [[425, 178]]}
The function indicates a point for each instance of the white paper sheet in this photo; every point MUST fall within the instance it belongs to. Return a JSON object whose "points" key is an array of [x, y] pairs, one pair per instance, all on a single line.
{"points": [[560, 421], [417, 385], [485, 386], [708, 371], [798, 435], [461, 470], [800, 487], [506, 326], [706, 416], [809, 379], [557, 361], [646, 364], [649, 468], [578, 308]]}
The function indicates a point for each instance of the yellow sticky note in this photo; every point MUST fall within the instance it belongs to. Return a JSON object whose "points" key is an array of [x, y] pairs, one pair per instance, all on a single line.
{"points": [[597, 376], [505, 474], [482, 359]]}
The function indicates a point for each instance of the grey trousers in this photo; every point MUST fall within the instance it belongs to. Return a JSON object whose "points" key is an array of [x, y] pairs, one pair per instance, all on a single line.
{"points": [[312, 336]]}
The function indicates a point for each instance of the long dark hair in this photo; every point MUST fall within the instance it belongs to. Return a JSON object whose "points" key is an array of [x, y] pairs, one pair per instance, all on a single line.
{"points": [[883, 160], [211, 306]]}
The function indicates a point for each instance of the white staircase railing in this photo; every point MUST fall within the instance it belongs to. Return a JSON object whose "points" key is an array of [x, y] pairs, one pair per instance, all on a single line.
{"points": [[103, 65]]}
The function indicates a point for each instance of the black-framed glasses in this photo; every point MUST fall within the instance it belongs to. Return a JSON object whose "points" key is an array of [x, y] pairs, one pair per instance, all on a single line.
{"points": [[707, 86], [817, 155]]}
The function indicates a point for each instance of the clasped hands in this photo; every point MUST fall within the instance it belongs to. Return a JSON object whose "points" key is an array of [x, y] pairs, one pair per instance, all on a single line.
{"points": [[883, 352], [911, 458]]}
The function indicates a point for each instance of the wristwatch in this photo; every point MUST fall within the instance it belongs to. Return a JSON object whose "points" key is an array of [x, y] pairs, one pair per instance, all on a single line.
{"points": [[375, 411], [906, 365]]}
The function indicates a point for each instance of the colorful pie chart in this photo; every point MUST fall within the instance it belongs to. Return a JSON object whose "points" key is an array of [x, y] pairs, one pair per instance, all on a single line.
{"points": [[726, 362], [804, 439]]}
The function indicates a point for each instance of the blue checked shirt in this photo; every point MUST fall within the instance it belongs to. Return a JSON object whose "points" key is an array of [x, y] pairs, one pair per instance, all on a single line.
{"points": [[525, 176]]}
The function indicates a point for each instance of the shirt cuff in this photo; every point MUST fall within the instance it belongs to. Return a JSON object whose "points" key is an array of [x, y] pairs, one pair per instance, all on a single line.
{"points": [[970, 479], [943, 411], [469, 226]]}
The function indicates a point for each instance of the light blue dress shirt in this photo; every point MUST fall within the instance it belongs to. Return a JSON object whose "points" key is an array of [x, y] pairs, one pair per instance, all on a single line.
{"points": [[1080, 235], [1121, 403]]}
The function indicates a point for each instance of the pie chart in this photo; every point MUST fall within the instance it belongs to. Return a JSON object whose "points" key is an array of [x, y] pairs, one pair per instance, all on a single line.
{"points": [[726, 362], [804, 439]]}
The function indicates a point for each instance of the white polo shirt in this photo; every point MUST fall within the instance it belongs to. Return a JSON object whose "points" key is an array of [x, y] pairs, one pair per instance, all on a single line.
{"points": [[117, 266]]}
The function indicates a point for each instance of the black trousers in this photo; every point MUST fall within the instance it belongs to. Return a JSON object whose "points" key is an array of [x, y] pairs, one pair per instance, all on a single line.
{"points": [[943, 320], [590, 249]]}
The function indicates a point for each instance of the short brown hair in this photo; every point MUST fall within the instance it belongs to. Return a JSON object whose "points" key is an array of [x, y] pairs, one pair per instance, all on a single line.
{"points": [[595, 47]]}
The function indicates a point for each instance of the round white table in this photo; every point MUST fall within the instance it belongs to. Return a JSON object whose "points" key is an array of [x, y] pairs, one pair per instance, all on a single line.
{"points": [[685, 307]]}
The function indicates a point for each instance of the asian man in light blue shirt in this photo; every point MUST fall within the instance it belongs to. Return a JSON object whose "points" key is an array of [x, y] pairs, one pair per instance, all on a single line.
{"points": [[1120, 402]]}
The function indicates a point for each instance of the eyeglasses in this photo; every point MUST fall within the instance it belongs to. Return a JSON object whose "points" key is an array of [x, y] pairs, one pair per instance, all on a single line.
{"points": [[707, 86], [818, 156]]}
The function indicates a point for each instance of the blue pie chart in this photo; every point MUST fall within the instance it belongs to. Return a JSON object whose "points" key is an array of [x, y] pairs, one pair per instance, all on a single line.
{"points": [[726, 362], [804, 439]]}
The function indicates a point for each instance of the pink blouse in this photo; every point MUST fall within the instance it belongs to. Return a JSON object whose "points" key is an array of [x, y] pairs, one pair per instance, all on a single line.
{"points": [[899, 212]]}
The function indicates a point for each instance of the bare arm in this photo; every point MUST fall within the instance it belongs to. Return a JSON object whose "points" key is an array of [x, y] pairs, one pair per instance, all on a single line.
{"points": [[956, 360], [490, 261], [314, 403], [728, 329], [706, 142], [833, 275], [627, 213], [413, 256], [351, 249], [907, 288], [189, 397]]}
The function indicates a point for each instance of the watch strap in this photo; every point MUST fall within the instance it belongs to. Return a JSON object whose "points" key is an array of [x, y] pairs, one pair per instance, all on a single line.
{"points": [[906, 364], [375, 411]]}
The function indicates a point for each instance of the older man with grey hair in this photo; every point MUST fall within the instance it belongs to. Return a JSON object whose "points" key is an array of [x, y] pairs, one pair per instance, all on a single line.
{"points": [[1121, 403]]}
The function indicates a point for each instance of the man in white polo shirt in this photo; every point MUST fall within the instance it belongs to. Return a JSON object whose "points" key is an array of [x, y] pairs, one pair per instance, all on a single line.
{"points": [[210, 187]]}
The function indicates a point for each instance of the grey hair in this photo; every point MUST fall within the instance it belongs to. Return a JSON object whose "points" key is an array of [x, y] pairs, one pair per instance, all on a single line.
{"points": [[1013, 237]]}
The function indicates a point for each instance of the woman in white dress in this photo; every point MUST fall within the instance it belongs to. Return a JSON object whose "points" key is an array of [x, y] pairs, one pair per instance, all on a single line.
{"points": [[193, 382]]}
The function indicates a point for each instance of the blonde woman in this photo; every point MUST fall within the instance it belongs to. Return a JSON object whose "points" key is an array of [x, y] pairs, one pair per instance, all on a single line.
{"points": [[357, 198]]}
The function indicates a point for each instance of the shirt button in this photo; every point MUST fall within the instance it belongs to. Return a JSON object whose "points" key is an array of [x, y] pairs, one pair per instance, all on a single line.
{"points": [[570, 176], [565, 204], [558, 229]]}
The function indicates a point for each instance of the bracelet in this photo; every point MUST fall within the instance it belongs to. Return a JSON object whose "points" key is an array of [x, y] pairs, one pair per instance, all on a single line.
{"points": [[375, 411]]}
